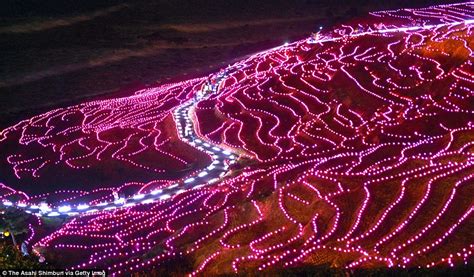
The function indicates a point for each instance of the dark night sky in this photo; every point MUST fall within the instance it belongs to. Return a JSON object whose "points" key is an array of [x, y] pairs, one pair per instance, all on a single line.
{"points": [[63, 52]]}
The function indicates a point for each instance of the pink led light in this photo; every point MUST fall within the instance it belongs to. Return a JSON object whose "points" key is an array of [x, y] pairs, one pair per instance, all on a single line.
{"points": [[353, 149]]}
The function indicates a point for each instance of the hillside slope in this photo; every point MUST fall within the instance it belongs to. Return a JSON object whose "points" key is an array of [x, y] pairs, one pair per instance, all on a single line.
{"points": [[356, 149]]}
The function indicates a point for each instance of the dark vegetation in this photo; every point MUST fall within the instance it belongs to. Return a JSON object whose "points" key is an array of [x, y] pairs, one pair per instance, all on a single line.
{"points": [[15, 223], [11, 258]]}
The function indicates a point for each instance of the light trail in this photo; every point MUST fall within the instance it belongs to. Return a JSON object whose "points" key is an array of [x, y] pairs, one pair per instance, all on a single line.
{"points": [[390, 30], [202, 178]]}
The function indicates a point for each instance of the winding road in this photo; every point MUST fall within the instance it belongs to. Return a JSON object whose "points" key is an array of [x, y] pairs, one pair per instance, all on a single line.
{"points": [[221, 159]]}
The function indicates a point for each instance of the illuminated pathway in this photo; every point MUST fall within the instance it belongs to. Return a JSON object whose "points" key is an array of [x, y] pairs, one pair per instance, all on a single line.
{"points": [[211, 174], [390, 30]]}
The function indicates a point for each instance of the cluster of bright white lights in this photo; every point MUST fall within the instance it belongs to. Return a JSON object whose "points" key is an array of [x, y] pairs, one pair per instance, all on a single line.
{"points": [[185, 128]]}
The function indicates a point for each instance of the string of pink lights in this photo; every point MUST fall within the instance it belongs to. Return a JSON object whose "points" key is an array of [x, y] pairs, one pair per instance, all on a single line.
{"points": [[356, 150]]}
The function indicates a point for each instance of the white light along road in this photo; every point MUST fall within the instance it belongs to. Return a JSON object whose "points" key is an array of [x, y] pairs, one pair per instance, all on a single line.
{"points": [[209, 175], [391, 30]]}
